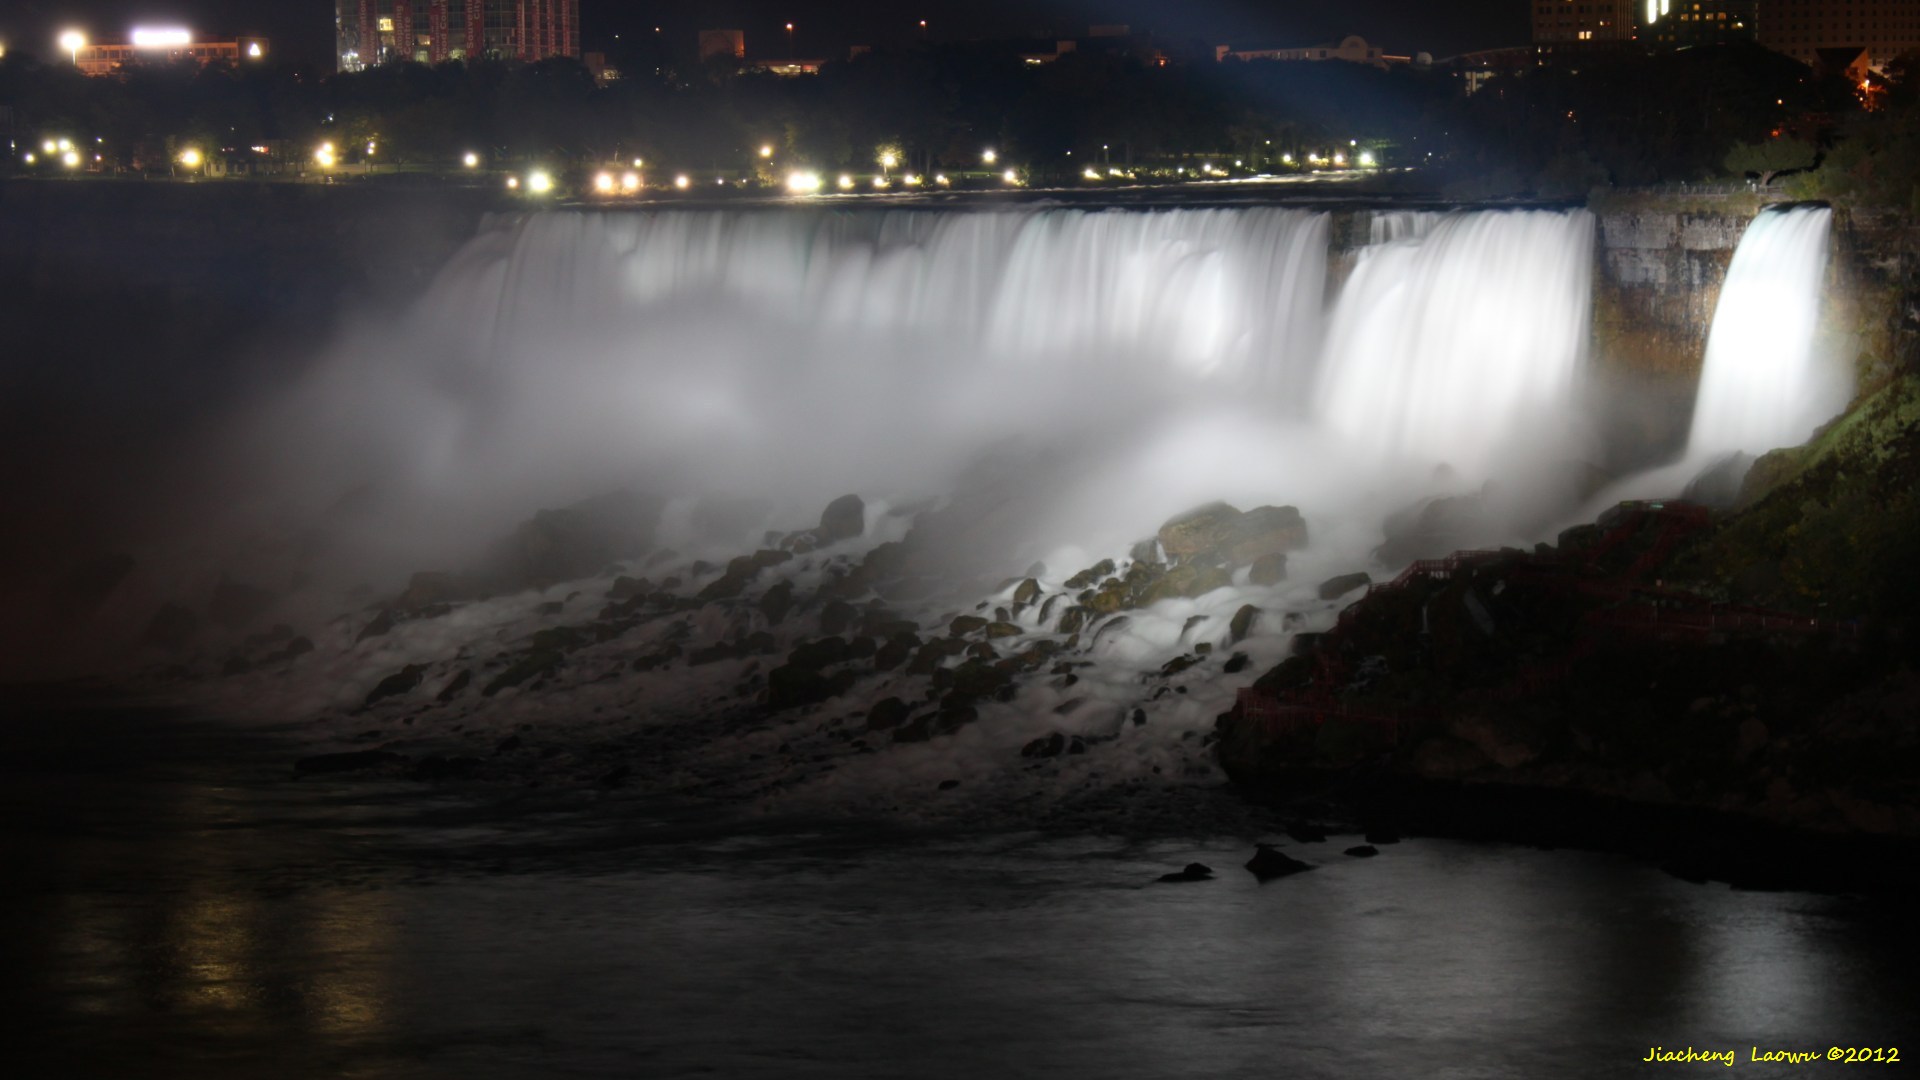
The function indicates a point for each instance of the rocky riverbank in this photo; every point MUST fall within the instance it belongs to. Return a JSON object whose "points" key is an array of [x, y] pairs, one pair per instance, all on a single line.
{"points": [[1737, 686]]}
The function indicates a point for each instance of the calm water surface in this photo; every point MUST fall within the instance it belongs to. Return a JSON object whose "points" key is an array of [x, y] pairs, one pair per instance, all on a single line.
{"points": [[175, 905]]}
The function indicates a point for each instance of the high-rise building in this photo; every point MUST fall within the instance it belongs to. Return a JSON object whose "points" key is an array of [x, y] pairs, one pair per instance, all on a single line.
{"points": [[370, 32], [1802, 28], [1557, 22], [1682, 23]]}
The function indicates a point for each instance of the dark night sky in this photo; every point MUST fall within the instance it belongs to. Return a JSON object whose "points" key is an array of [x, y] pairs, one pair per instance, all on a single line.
{"points": [[302, 28]]}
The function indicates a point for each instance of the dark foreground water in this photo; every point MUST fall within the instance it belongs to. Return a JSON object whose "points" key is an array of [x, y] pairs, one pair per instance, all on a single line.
{"points": [[175, 905]]}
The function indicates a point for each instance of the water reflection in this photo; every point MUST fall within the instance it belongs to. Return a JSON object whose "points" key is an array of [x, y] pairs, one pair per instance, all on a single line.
{"points": [[175, 921]]}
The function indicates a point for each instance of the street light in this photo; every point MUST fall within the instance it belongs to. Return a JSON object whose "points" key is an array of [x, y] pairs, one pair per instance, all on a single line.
{"points": [[472, 160], [190, 158], [790, 41], [73, 41], [989, 156]]}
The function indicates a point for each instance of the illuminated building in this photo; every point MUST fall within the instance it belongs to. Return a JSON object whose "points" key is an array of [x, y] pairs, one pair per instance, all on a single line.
{"points": [[1681, 23], [371, 32], [1559, 22], [1803, 28], [164, 46]]}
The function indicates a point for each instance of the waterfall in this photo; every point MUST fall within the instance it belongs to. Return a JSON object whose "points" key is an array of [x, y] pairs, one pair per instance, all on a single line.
{"points": [[1130, 363], [1454, 338], [1763, 384], [1230, 295]]}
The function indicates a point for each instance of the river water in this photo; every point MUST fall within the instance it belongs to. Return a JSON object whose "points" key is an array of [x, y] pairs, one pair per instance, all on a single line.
{"points": [[175, 904]]}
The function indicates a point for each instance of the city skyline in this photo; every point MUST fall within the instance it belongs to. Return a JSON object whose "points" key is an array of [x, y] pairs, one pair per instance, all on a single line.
{"points": [[303, 30]]}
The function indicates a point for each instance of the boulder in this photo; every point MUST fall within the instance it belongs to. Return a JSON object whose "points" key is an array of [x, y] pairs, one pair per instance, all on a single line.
{"points": [[173, 627], [1268, 569], [1045, 746], [1362, 851], [235, 604], [1191, 872], [1336, 587], [1264, 531], [396, 684], [578, 540], [1026, 592], [887, 713], [1268, 863], [427, 588], [1242, 623], [1199, 531], [1188, 580], [844, 519]]}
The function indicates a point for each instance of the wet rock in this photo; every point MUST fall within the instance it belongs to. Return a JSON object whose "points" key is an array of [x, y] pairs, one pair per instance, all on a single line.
{"points": [[1302, 832], [844, 519], [533, 664], [1242, 623], [1073, 620], [1268, 863], [576, 541], [886, 714], [793, 685], [1192, 872], [1362, 851], [235, 604], [1336, 587], [1268, 569], [1199, 531], [454, 686], [1069, 707], [836, 616], [398, 683], [428, 588], [1236, 663], [998, 630], [1092, 575], [173, 627], [1045, 746], [654, 661], [349, 761], [963, 625], [1026, 592], [1264, 531], [949, 785], [628, 588], [1111, 626], [1186, 581], [820, 654], [777, 601], [895, 651]]}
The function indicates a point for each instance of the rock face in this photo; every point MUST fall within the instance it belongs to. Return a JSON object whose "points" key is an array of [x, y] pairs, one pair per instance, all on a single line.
{"points": [[1220, 534]]}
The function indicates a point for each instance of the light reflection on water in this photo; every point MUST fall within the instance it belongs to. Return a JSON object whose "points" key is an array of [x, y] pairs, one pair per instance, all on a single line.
{"points": [[185, 927]]}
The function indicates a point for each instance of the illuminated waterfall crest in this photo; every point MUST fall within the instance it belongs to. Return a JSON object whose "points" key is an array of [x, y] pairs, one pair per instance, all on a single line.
{"points": [[1457, 337], [1763, 384]]}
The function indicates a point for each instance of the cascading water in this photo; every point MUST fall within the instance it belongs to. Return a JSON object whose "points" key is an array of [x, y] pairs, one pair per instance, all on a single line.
{"points": [[1152, 360], [1455, 338], [1763, 384]]}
